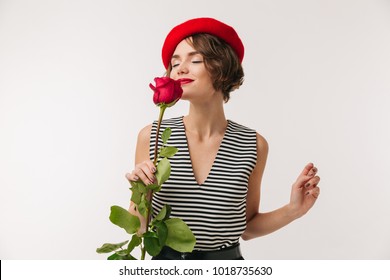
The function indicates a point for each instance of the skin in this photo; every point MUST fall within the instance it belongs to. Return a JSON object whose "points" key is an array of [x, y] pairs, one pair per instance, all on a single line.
{"points": [[205, 126]]}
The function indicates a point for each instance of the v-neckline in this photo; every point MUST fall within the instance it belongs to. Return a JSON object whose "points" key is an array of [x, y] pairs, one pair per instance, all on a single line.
{"points": [[215, 158]]}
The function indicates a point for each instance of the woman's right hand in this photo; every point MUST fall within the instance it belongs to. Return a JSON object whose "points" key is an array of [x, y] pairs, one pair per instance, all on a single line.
{"points": [[143, 171]]}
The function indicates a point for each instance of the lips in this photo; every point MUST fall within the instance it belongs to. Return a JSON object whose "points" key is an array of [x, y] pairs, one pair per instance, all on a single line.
{"points": [[185, 81]]}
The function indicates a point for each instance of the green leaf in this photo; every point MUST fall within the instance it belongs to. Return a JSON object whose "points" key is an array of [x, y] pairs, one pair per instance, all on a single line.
{"points": [[122, 218], [164, 213], [142, 188], [114, 257], [137, 189], [122, 253], [166, 134], [180, 236], [139, 186], [135, 241], [118, 257], [135, 196], [152, 245], [168, 151], [152, 187], [162, 232], [134, 184], [109, 247], [150, 234], [163, 171], [143, 206]]}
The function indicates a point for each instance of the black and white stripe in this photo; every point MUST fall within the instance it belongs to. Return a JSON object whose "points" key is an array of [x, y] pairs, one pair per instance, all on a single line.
{"points": [[214, 210]]}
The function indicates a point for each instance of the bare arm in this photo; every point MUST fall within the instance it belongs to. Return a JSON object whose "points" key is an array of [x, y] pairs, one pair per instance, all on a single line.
{"points": [[303, 197]]}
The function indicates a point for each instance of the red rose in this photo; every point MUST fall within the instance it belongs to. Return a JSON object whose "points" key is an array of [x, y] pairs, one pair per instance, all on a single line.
{"points": [[167, 91]]}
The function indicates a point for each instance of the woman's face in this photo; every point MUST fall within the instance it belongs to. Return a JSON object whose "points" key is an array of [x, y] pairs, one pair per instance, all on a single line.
{"points": [[188, 67]]}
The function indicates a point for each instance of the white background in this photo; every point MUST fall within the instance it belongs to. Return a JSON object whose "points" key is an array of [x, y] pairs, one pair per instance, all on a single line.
{"points": [[74, 93]]}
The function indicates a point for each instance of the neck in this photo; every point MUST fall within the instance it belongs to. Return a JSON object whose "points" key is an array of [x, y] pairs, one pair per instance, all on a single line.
{"points": [[205, 120]]}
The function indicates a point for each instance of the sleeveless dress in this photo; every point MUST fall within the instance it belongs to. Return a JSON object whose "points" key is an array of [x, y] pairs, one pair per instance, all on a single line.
{"points": [[215, 209]]}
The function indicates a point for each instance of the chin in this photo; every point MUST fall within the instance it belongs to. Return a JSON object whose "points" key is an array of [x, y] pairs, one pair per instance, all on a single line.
{"points": [[185, 96]]}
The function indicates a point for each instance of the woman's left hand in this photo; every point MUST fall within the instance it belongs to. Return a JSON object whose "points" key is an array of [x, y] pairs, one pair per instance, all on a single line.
{"points": [[305, 191]]}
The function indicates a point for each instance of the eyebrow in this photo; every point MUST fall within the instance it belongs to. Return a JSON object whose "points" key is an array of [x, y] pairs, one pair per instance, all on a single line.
{"points": [[189, 54]]}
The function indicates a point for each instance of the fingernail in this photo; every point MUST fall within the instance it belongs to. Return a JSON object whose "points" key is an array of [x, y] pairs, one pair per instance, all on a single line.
{"points": [[307, 185], [136, 177], [153, 169], [307, 193]]}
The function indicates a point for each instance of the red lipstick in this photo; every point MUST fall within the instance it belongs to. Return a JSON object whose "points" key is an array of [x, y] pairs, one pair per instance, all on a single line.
{"points": [[185, 81]]}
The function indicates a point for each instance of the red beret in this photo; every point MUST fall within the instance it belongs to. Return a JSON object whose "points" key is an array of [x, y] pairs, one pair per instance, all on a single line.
{"points": [[201, 25]]}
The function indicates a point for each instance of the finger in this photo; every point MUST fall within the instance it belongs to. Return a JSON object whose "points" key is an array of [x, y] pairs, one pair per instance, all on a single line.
{"points": [[143, 177], [302, 180], [314, 192], [147, 168], [131, 177], [312, 182], [307, 168], [143, 171], [151, 166], [313, 171], [306, 175]]}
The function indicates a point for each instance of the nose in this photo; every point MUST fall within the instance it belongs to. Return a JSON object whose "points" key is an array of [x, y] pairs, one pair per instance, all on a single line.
{"points": [[182, 68]]}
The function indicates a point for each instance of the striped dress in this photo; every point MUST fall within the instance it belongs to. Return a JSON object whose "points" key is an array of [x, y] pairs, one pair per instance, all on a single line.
{"points": [[214, 210]]}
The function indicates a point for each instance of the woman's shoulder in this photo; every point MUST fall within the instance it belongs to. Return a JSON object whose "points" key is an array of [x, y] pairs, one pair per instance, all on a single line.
{"points": [[262, 143], [240, 127], [244, 129], [145, 132]]}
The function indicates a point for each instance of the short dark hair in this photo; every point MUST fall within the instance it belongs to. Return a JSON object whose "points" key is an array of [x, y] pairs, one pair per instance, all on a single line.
{"points": [[220, 61]]}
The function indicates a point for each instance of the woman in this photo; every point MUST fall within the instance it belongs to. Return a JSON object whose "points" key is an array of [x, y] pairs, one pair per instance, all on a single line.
{"points": [[216, 175]]}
